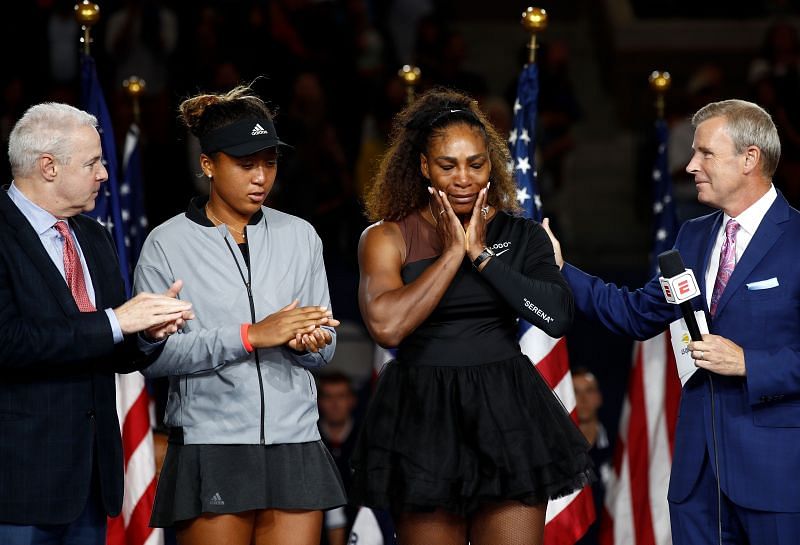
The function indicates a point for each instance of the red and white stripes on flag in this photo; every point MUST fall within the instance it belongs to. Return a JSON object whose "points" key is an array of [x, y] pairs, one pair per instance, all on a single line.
{"points": [[567, 518], [636, 511], [120, 208], [133, 408]]}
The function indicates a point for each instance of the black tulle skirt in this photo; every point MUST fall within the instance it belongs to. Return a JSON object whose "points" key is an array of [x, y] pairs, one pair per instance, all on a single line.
{"points": [[460, 437]]}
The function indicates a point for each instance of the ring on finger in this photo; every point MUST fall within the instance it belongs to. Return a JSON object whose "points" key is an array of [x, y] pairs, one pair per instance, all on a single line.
{"points": [[701, 355], [485, 211]]}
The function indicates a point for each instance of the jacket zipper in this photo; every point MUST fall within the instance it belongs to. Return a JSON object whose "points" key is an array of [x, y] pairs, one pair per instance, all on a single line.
{"points": [[247, 285], [311, 384], [258, 362]]}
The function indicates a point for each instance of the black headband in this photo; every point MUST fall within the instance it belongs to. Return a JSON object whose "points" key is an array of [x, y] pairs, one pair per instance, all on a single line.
{"points": [[241, 138], [462, 112]]}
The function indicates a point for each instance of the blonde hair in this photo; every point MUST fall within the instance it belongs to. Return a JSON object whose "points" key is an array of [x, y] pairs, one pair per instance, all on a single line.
{"points": [[747, 124]]}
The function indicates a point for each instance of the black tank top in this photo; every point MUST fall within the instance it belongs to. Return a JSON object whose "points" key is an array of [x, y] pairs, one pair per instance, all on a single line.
{"points": [[472, 324]]}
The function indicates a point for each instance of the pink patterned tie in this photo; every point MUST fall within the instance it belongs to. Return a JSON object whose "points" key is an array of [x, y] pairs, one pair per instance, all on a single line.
{"points": [[73, 269], [727, 261]]}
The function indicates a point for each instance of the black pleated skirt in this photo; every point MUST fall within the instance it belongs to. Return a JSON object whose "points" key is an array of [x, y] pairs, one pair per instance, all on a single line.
{"points": [[197, 479], [458, 438]]}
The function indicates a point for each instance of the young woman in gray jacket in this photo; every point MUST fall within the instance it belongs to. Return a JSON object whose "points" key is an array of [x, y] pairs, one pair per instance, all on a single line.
{"points": [[245, 463]]}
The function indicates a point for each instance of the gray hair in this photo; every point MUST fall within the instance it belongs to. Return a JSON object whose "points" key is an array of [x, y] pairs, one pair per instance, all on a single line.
{"points": [[747, 124], [44, 128]]}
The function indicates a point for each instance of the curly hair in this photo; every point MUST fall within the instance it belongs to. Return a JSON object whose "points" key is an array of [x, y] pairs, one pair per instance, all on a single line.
{"points": [[399, 187], [203, 113]]}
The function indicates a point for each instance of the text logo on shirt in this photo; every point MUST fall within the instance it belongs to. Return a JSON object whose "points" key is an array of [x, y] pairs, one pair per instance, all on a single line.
{"points": [[536, 310], [502, 246]]}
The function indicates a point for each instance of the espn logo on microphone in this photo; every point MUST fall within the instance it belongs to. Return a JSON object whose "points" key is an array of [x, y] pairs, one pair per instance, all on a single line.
{"points": [[680, 288]]}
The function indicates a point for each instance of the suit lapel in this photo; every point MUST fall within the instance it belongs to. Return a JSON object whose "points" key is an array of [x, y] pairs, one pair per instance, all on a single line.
{"points": [[765, 237], [32, 246]]}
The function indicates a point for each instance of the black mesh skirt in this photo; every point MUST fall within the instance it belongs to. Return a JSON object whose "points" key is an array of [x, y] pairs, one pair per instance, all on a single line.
{"points": [[460, 437], [198, 479]]}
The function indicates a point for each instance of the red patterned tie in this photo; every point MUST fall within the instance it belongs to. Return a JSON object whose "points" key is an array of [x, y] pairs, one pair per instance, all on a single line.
{"points": [[727, 261], [73, 269]]}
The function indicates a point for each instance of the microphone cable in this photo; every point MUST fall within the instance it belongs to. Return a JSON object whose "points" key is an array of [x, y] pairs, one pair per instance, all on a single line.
{"points": [[716, 456]]}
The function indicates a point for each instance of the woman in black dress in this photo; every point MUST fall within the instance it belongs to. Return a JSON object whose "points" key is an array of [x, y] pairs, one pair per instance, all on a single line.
{"points": [[463, 441]]}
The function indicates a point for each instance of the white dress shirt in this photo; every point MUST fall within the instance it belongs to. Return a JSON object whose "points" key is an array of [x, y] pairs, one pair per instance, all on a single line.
{"points": [[749, 220], [43, 223]]}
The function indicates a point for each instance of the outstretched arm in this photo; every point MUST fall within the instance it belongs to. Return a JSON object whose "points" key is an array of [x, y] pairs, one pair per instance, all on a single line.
{"points": [[639, 313]]}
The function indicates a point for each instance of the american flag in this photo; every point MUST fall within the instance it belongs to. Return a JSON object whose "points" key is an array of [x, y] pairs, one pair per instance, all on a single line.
{"points": [[636, 511], [567, 518], [131, 197], [107, 205], [113, 210]]}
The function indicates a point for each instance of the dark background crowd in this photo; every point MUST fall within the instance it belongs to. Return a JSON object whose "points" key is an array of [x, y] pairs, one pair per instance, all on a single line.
{"points": [[329, 70]]}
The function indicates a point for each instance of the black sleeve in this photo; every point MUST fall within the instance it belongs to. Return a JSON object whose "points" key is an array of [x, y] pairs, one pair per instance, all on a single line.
{"points": [[128, 358], [539, 294], [30, 343]]}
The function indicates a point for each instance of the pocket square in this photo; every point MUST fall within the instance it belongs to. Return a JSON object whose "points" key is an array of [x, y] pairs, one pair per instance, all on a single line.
{"points": [[763, 284]]}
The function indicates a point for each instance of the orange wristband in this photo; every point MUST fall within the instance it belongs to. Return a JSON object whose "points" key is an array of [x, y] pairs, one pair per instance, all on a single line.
{"points": [[243, 332]]}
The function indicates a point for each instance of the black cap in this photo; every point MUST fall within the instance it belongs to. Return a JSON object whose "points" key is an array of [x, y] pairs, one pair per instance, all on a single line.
{"points": [[241, 138]]}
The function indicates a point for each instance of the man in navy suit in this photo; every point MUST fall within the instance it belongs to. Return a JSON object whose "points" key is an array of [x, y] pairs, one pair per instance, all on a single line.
{"points": [[65, 329], [737, 442]]}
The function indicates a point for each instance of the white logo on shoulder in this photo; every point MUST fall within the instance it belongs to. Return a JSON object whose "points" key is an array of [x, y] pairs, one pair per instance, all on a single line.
{"points": [[258, 129], [503, 247]]}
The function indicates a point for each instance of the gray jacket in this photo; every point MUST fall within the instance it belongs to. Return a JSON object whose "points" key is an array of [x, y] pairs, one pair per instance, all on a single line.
{"points": [[218, 392]]}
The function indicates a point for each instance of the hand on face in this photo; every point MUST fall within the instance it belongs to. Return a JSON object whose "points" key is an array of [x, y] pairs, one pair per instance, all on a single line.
{"points": [[449, 227], [458, 166], [476, 230]]}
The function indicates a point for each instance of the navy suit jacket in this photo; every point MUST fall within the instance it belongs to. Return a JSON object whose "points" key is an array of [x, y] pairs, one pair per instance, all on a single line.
{"points": [[757, 417], [58, 414]]}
